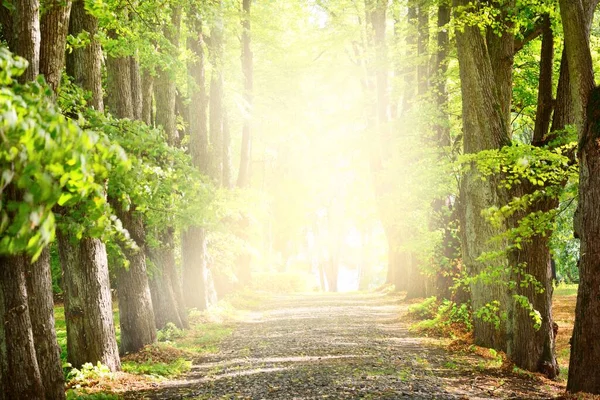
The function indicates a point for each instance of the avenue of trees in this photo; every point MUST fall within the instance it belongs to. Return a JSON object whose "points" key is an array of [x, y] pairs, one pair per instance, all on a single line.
{"points": [[171, 149]]}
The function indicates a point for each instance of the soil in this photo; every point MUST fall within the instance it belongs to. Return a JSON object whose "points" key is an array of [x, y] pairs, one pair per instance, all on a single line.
{"points": [[343, 346]]}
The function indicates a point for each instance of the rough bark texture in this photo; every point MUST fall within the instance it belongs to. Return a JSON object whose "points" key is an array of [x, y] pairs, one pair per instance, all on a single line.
{"points": [[136, 88], [88, 304], [54, 26], [247, 69], [484, 127], [584, 366], [135, 304], [120, 99], [20, 373], [41, 311], [85, 64], [530, 348], [26, 36]]}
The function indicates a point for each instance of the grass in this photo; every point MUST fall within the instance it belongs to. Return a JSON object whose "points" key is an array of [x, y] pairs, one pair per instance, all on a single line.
{"points": [[563, 312], [172, 356]]}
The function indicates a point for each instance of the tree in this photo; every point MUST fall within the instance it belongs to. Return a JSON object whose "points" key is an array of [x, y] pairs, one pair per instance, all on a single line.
{"points": [[585, 351], [485, 73]]}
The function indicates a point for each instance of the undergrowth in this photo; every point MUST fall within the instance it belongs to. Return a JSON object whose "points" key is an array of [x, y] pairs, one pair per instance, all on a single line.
{"points": [[444, 318]]}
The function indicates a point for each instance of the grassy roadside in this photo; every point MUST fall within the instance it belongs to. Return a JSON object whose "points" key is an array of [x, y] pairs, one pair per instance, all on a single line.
{"points": [[173, 355]]}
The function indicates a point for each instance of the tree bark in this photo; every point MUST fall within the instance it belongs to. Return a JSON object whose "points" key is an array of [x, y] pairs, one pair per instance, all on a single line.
{"points": [[135, 303], [147, 91], [244, 173], [21, 378], [136, 88], [27, 36], [88, 304], [54, 26], [85, 64], [41, 311], [529, 348], [584, 367], [484, 127]]}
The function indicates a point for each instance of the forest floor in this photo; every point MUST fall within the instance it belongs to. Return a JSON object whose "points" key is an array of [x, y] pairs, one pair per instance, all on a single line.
{"points": [[343, 346]]}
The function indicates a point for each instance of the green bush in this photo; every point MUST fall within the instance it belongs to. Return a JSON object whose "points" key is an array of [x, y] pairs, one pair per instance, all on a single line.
{"points": [[161, 369], [427, 309], [169, 333]]}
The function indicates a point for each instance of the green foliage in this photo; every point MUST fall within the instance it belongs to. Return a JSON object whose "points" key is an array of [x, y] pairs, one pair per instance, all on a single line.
{"points": [[169, 333], [445, 318], [424, 310], [82, 395], [87, 375], [158, 369], [47, 161], [491, 313]]}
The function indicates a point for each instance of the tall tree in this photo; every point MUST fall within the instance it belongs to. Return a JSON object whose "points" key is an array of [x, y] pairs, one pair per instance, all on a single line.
{"points": [[215, 121], [53, 28], [88, 301], [484, 83], [19, 369], [584, 372], [165, 94]]}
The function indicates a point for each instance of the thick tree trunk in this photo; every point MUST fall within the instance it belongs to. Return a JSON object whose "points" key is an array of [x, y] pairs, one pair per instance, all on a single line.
{"points": [[584, 366], [54, 26], [20, 372], [528, 347], [41, 311], [27, 36], [136, 88], [484, 127], [247, 69], [135, 304], [227, 162], [120, 99], [88, 304], [85, 64]]}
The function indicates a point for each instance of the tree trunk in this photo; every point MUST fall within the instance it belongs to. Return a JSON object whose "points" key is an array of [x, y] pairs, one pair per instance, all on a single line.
{"points": [[584, 366], [85, 64], [247, 69], [54, 26], [41, 311], [530, 348], [27, 36], [484, 127], [147, 91], [227, 162], [88, 304], [135, 304], [20, 372]]}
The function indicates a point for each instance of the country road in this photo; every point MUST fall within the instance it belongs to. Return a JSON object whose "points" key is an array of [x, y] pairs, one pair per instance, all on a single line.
{"points": [[342, 346]]}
